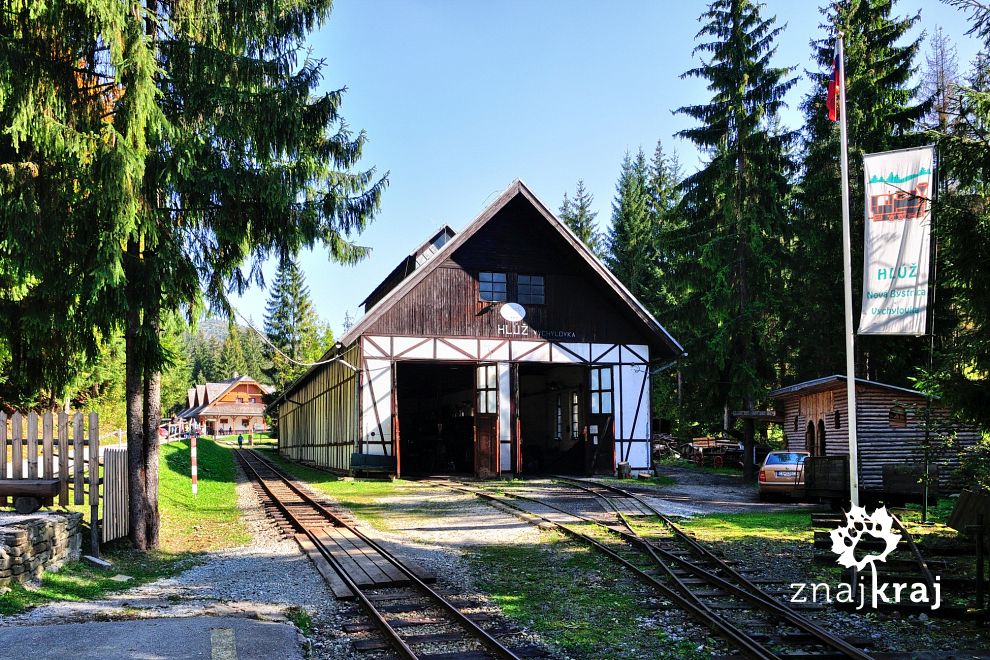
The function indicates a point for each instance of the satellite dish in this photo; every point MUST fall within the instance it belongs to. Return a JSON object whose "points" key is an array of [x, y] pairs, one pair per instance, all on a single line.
{"points": [[513, 312]]}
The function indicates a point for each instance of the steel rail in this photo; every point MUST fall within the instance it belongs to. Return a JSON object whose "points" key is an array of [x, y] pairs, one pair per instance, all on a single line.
{"points": [[926, 572], [691, 604], [747, 590], [391, 633], [479, 633]]}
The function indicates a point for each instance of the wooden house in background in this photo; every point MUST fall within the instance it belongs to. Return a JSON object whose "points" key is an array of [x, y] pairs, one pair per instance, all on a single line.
{"points": [[235, 405], [508, 347], [890, 428]]}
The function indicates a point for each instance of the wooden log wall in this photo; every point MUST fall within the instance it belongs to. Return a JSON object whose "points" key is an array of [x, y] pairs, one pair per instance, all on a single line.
{"points": [[879, 442], [882, 444], [318, 422]]}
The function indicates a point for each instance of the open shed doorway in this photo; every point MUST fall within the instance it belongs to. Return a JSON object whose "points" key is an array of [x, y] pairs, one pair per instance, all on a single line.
{"points": [[436, 426], [552, 416]]}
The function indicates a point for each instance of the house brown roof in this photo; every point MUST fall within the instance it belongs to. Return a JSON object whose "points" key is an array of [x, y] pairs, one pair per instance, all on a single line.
{"points": [[232, 409]]}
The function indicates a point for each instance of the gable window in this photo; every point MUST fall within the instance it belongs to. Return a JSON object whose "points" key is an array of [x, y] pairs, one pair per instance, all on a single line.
{"points": [[530, 290], [601, 390], [492, 287], [898, 416]]}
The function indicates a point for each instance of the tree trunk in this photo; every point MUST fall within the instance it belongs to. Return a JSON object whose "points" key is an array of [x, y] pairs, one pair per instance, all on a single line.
{"points": [[152, 407], [135, 400], [749, 432], [153, 418]]}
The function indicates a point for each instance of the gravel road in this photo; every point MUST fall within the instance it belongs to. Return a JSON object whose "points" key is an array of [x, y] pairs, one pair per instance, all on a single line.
{"points": [[261, 580]]}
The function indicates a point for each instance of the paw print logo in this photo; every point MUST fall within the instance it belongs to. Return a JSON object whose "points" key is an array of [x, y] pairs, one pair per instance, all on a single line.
{"points": [[845, 539]]}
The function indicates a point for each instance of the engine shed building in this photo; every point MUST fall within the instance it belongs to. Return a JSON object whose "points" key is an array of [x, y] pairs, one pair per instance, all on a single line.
{"points": [[506, 348]]}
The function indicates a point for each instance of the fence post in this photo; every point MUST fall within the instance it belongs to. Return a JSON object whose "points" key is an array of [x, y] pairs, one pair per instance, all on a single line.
{"points": [[17, 469], [192, 460], [94, 484], [47, 448], [3, 453], [32, 445], [63, 459], [78, 458]]}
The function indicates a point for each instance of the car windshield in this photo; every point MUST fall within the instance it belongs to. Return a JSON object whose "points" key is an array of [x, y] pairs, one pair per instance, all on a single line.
{"points": [[785, 459]]}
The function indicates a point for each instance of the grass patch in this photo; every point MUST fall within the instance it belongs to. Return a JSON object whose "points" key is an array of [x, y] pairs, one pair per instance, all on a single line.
{"points": [[190, 526], [209, 520], [574, 599], [729, 527], [937, 513], [77, 581], [301, 618], [690, 465], [362, 496], [659, 480]]}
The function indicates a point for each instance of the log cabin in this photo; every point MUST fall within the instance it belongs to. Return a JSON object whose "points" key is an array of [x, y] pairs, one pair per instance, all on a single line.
{"points": [[890, 429], [235, 405], [506, 348]]}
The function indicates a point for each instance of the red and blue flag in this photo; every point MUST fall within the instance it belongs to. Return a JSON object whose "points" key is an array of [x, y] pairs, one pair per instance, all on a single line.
{"points": [[833, 90]]}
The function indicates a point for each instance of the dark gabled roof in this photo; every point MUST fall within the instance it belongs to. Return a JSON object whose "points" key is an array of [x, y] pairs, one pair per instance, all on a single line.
{"points": [[518, 188], [415, 259], [821, 383]]}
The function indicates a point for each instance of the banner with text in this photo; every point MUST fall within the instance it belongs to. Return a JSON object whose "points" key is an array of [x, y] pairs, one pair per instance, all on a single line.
{"points": [[899, 185]]}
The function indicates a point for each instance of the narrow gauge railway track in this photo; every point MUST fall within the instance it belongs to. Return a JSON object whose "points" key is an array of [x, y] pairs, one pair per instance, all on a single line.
{"points": [[686, 573], [438, 631]]}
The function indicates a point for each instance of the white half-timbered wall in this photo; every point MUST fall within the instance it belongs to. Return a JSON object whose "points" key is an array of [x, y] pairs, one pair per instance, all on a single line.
{"points": [[630, 382]]}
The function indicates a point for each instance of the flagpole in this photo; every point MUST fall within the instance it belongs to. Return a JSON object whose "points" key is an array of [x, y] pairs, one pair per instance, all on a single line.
{"points": [[847, 266]]}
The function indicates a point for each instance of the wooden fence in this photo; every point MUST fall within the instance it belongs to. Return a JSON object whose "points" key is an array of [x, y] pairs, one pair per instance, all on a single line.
{"points": [[63, 452]]}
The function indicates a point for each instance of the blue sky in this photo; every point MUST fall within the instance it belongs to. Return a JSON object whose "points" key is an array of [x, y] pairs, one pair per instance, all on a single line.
{"points": [[461, 97]]}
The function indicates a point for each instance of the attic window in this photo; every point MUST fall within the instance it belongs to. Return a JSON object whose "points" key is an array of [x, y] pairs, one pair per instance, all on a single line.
{"points": [[440, 240], [492, 287], [898, 416], [531, 290]]}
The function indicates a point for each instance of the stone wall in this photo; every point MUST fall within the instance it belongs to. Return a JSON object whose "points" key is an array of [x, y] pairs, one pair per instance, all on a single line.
{"points": [[34, 543]]}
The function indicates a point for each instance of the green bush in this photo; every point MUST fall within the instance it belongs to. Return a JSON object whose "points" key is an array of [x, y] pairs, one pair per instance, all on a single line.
{"points": [[974, 465]]}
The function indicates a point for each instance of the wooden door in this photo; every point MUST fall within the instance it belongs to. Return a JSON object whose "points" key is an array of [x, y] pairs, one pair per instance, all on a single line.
{"points": [[486, 422], [600, 444]]}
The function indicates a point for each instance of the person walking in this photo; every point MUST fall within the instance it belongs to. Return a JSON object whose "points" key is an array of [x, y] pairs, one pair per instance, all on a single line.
{"points": [[240, 440]]}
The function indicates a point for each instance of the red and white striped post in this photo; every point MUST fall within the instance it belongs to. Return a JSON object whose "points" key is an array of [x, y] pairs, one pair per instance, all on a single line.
{"points": [[192, 455]]}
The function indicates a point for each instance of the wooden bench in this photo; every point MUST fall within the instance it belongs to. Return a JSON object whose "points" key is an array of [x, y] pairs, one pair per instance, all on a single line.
{"points": [[29, 494], [372, 463]]}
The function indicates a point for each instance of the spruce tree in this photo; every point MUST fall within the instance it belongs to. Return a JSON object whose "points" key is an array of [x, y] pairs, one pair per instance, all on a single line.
{"points": [[253, 348], [232, 361], [631, 237], [292, 326], [577, 215], [881, 114], [663, 198], [962, 229], [735, 207], [187, 145]]}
